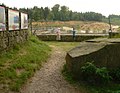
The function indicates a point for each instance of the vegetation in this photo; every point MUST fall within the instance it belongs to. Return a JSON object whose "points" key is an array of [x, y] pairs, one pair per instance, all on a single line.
{"points": [[96, 80], [62, 13], [66, 46], [59, 13], [95, 75], [115, 19], [20, 63]]}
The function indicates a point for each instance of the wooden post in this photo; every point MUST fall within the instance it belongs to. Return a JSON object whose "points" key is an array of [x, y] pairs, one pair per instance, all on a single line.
{"points": [[20, 21], [7, 24]]}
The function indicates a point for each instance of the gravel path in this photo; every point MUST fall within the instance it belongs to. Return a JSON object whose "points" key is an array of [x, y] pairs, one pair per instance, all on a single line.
{"points": [[49, 79]]}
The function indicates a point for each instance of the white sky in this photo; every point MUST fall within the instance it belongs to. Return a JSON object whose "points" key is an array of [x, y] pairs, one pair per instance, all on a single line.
{"points": [[105, 7]]}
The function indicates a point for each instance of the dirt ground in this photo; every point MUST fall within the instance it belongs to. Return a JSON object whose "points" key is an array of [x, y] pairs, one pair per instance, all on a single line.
{"points": [[49, 78]]}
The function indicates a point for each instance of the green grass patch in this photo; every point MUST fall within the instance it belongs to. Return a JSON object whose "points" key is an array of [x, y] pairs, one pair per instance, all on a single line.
{"points": [[116, 36], [20, 63], [66, 46]]}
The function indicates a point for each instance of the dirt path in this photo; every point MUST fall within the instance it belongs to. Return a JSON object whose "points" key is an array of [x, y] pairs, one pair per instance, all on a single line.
{"points": [[49, 79]]}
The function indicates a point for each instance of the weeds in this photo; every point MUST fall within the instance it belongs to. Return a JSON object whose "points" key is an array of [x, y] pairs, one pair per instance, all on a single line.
{"points": [[20, 63], [93, 74]]}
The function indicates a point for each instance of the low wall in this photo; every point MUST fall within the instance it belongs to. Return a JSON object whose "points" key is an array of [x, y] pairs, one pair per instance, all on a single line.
{"points": [[103, 54], [67, 38], [9, 38]]}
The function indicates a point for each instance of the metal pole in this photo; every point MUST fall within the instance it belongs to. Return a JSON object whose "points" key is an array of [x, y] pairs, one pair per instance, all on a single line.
{"points": [[110, 29]]}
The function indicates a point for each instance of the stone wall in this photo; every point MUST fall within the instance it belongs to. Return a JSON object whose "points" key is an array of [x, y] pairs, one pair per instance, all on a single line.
{"points": [[102, 54], [9, 38], [67, 38]]}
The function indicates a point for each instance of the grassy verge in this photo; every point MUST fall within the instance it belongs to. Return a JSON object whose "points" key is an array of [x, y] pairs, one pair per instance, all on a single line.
{"points": [[20, 63], [66, 46], [89, 88]]}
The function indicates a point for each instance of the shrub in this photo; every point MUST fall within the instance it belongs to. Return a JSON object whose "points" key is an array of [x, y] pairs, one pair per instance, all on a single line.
{"points": [[95, 75], [88, 72], [102, 75], [115, 74]]}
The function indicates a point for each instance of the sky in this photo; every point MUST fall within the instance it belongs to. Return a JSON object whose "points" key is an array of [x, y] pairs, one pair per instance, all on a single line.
{"points": [[104, 7]]}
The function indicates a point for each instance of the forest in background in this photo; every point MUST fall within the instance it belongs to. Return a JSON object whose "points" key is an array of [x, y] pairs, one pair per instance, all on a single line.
{"points": [[62, 13]]}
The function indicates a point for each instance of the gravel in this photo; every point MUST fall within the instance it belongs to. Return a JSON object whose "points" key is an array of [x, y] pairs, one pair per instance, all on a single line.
{"points": [[49, 78]]}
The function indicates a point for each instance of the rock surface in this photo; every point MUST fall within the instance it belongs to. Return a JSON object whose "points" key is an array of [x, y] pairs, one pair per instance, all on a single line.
{"points": [[102, 52]]}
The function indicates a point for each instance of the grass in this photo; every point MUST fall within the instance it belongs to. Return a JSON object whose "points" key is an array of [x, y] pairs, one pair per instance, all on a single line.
{"points": [[66, 46], [88, 88], [20, 63], [116, 36]]}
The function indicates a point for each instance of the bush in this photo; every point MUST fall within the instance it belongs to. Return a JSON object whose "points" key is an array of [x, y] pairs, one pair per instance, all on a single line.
{"points": [[115, 74], [88, 72], [102, 75], [95, 75]]}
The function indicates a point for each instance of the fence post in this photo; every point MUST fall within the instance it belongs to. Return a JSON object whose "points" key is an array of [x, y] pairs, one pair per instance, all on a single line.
{"points": [[7, 25]]}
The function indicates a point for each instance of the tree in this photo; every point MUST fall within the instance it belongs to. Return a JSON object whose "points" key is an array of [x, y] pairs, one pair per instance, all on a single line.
{"points": [[75, 16], [46, 13], [64, 13], [41, 13], [70, 15], [35, 13], [55, 11]]}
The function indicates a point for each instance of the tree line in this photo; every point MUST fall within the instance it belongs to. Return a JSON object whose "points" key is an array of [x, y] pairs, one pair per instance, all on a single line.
{"points": [[114, 19], [60, 13]]}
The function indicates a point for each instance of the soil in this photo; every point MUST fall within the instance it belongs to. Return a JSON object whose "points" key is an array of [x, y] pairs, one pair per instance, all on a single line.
{"points": [[49, 78]]}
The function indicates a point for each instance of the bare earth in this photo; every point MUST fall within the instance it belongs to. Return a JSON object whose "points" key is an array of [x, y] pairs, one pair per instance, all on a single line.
{"points": [[49, 78]]}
